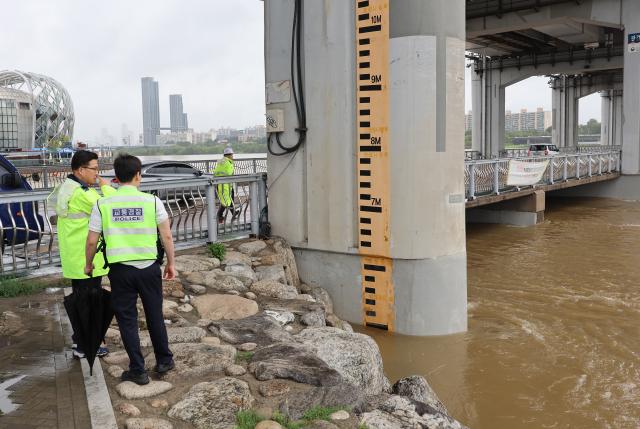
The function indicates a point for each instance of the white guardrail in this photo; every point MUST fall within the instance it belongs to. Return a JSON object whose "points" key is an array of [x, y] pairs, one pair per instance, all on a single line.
{"points": [[489, 177]]}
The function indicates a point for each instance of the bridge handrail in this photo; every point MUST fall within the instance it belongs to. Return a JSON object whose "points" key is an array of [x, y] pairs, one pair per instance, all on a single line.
{"points": [[191, 204], [489, 176]]}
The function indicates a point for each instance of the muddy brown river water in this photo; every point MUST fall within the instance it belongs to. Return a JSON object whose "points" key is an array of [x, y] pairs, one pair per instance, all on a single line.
{"points": [[554, 324]]}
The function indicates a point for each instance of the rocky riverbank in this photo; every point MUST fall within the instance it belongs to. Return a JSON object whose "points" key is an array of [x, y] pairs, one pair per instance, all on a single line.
{"points": [[253, 344]]}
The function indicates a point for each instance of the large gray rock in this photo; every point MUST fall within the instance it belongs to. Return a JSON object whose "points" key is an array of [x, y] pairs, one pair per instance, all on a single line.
{"points": [[313, 318], [236, 258], [283, 256], [341, 395], [207, 278], [198, 359], [10, 323], [292, 361], [400, 412], [196, 289], [242, 272], [183, 334], [355, 356], [271, 272], [252, 247], [191, 263], [213, 405], [128, 409], [260, 329], [148, 423], [295, 306], [322, 296], [224, 307], [417, 388], [274, 289], [228, 284], [130, 390]]}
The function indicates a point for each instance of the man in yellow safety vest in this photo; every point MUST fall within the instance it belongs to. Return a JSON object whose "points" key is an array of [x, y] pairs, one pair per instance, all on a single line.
{"points": [[73, 201], [131, 222], [224, 167]]}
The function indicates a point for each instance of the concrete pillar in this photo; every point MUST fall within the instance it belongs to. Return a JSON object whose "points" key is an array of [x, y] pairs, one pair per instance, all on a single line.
{"points": [[572, 104], [557, 117], [617, 117], [565, 112], [605, 114], [631, 88], [477, 109], [494, 113], [315, 205]]}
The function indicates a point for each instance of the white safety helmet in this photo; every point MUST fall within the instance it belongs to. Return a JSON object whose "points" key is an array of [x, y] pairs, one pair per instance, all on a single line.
{"points": [[228, 151]]}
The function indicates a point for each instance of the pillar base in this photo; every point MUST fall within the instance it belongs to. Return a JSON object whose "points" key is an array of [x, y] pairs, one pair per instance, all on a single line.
{"points": [[430, 295], [525, 211]]}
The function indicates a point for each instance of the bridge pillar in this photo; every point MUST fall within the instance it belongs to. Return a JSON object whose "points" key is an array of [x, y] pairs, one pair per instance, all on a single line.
{"points": [[616, 117], [606, 110], [631, 88], [314, 195], [564, 103], [523, 211], [478, 103]]}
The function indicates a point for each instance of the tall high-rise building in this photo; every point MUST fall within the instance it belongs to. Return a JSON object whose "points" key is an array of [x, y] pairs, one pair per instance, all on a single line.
{"points": [[150, 111], [177, 116]]}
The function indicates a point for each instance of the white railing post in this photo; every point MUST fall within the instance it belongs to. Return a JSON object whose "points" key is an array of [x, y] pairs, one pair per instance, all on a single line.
{"points": [[551, 172], [496, 178], [212, 221], [578, 167], [472, 181], [600, 164], [255, 210], [565, 168], [590, 162]]}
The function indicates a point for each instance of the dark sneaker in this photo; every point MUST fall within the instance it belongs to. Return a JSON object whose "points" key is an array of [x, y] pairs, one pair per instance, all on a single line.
{"points": [[102, 352], [138, 378], [161, 368], [77, 353]]}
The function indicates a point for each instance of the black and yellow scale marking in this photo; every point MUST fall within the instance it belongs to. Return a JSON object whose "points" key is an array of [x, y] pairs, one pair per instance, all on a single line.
{"points": [[374, 184]]}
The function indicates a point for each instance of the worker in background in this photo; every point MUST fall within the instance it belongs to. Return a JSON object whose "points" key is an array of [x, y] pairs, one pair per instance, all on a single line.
{"points": [[73, 201], [131, 223], [224, 167]]}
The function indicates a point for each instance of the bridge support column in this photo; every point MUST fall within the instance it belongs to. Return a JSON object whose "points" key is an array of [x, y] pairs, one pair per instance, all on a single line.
{"points": [[631, 88], [606, 133], [493, 118], [564, 112], [524, 211], [478, 103], [314, 199], [616, 117]]}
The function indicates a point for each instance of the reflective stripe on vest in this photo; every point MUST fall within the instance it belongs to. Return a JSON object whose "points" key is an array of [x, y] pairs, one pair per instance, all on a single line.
{"points": [[79, 215], [129, 225]]}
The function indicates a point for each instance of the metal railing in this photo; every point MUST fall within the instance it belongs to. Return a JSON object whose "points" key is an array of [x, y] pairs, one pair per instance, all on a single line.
{"points": [[28, 223], [489, 177], [586, 149], [49, 176]]}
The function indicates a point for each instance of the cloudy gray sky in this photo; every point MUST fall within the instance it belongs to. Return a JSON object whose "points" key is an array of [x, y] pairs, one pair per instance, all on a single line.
{"points": [[211, 51]]}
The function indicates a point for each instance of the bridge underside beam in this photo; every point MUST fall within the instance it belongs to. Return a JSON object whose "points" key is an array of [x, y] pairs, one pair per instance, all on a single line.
{"points": [[524, 211]]}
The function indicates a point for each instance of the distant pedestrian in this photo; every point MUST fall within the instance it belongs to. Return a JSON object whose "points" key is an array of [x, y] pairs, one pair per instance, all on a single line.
{"points": [[224, 167], [74, 199], [132, 223]]}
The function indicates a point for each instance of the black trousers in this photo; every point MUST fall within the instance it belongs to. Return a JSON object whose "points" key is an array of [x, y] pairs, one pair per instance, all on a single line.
{"points": [[78, 284], [127, 283], [222, 209]]}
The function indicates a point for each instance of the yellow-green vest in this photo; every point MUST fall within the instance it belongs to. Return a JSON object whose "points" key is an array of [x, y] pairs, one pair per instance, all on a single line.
{"points": [[129, 225], [73, 203], [224, 167]]}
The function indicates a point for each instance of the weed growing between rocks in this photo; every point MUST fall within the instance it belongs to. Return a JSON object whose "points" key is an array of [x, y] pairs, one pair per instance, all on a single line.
{"points": [[243, 357], [321, 413], [247, 419], [217, 250]]}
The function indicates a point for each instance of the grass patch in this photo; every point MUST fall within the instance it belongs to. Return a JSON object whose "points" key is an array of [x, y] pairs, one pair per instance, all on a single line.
{"points": [[12, 286], [243, 357], [247, 419], [217, 250], [321, 413]]}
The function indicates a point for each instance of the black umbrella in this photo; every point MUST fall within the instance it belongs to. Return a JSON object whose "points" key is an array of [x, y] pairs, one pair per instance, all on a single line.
{"points": [[90, 314]]}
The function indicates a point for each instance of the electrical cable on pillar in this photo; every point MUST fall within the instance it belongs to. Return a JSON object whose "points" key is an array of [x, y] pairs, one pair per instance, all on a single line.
{"points": [[301, 111], [297, 88]]}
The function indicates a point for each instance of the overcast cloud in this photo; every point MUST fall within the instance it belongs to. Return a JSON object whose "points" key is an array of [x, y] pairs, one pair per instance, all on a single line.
{"points": [[211, 51]]}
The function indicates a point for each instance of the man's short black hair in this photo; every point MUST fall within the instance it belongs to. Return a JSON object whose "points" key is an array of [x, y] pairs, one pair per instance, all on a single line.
{"points": [[82, 158], [126, 167]]}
